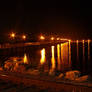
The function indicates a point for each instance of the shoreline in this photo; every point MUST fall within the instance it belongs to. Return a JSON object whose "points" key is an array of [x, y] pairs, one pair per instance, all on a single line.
{"points": [[13, 76]]}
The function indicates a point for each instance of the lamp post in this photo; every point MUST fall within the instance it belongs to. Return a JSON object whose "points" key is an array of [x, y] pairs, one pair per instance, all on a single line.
{"points": [[12, 35], [24, 37], [52, 38], [42, 37]]}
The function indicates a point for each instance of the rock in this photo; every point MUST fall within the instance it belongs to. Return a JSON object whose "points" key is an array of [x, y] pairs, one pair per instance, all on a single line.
{"points": [[72, 75], [8, 65], [60, 76], [82, 79], [19, 68], [33, 72]]}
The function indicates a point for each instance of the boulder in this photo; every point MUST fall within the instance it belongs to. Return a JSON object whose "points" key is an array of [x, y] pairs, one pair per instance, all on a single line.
{"points": [[33, 72], [82, 78], [19, 68], [8, 66], [72, 75], [60, 76]]}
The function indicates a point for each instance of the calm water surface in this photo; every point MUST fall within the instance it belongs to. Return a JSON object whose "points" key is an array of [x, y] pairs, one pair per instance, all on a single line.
{"points": [[54, 59]]}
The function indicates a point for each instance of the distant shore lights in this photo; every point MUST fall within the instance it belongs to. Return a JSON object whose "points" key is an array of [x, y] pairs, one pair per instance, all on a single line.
{"points": [[23, 37], [52, 38], [12, 35], [58, 38], [69, 41], [42, 37]]}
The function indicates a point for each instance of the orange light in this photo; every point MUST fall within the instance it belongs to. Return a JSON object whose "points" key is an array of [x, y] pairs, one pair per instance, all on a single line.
{"points": [[42, 60], [42, 37], [58, 38], [64, 39], [25, 59], [58, 55], [12, 35], [24, 37], [52, 38], [83, 41], [77, 41], [88, 40], [52, 60], [69, 40]]}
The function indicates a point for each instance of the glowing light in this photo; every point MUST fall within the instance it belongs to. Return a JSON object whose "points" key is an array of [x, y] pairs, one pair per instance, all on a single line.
{"points": [[42, 37], [12, 35], [24, 37], [52, 38], [77, 51], [70, 53], [14, 59], [58, 38], [88, 49], [77, 41], [25, 59], [42, 60], [88, 41], [83, 41], [58, 56], [83, 51], [69, 40], [64, 39], [65, 56], [62, 53], [52, 60]]}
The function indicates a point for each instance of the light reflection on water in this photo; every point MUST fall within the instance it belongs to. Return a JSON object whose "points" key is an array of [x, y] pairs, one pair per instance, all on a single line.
{"points": [[65, 56], [77, 51], [52, 60], [83, 50], [42, 60], [88, 49], [25, 59], [62, 60], [60, 57], [69, 54]]}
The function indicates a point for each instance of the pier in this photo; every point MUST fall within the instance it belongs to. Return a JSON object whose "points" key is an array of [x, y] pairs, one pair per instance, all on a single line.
{"points": [[8, 45]]}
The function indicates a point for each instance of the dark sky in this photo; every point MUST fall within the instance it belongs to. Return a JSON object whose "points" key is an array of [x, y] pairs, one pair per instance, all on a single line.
{"points": [[72, 19]]}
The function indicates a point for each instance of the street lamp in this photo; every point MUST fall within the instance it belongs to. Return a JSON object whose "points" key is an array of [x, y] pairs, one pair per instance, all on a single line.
{"points": [[42, 37], [69, 40], [12, 35], [52, 38], [23, 37], [58, 38], [88, 40], [83, 41], [77, 41]]}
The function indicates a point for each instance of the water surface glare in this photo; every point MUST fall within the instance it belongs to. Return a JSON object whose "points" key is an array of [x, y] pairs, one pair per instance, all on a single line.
{"points": [[51, 59]]}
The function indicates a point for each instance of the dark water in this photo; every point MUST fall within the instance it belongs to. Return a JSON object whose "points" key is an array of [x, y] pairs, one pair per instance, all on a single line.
{"points": [[57, 58]]}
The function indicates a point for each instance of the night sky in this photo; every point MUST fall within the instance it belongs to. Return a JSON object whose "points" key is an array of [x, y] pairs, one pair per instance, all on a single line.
{"points": [[66, 19]]}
